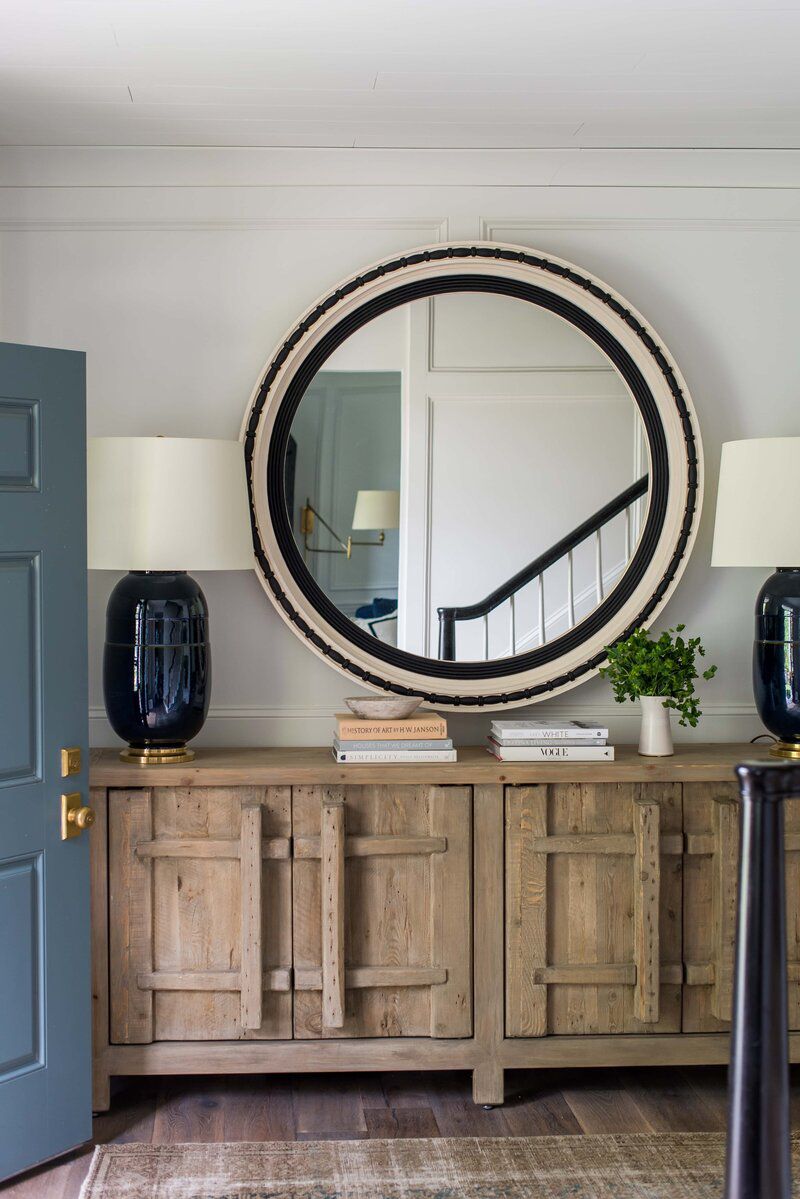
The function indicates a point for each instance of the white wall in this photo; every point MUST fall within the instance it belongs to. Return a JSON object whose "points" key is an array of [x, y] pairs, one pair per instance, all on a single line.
{"points": [[178, 270]]}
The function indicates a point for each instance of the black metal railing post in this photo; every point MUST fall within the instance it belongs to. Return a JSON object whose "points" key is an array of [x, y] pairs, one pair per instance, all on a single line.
{"points": [[758, 1164]]}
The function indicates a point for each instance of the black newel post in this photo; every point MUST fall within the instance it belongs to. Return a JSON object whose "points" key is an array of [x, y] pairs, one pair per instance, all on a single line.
{"points": [[447, 635], [758, 1149]]}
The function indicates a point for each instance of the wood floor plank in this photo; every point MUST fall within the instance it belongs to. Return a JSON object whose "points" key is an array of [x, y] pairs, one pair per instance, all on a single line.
{"points": [[601, 1103], [255, 1107], [407, 1089], [190, 1110], [399, 1122], [456, 1115], [536, 1107], [669, 1105], [325, 1102]]}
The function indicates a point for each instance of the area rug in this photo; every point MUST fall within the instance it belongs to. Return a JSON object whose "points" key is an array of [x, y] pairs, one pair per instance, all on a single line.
{"points": [[632, 1166]]}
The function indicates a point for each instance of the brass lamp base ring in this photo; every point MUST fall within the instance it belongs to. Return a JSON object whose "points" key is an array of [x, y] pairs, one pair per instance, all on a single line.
{"points": [[157, 755], [786, 749]]}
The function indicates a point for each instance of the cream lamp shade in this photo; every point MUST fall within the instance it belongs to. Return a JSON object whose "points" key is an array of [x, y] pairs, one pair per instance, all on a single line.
{"points": [[377, 510], [758, 503], [168, 504]]}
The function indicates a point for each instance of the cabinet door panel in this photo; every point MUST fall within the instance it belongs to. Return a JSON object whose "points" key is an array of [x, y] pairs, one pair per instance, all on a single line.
{"points": [[711, 822], [397, 941], [200, 899], [593, 908]]}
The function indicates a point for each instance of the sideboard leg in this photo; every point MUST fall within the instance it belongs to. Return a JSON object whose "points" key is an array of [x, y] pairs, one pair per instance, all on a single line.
{"points": [[488, 1084], [758, 1150], [101, 1089]]}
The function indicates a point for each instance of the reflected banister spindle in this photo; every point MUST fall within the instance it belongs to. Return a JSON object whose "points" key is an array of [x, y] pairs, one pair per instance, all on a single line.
{"points": [[512, 612], [598, 565], [486, 637], [540, 600], [570, 591], [627, 536]]}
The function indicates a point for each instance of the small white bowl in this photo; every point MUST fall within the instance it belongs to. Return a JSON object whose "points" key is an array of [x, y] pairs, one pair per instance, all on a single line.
{"points": [[383, 707]]}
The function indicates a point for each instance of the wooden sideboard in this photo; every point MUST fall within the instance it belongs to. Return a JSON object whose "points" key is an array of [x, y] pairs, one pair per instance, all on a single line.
{"points": [[262, 911]]}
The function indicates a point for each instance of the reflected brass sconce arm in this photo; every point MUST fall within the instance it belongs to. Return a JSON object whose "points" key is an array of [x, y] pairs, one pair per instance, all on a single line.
{"points": [[307, 514]]}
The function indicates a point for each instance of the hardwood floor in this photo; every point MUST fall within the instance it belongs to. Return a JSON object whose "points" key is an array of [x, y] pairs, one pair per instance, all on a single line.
{"points": [[308, 1107]]}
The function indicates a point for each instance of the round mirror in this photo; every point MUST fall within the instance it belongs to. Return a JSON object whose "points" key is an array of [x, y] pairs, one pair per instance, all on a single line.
{"points": [[468, 476]]}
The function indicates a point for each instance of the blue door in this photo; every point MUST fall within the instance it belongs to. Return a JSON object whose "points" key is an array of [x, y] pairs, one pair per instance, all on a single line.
{"points": [[45, 1001]]}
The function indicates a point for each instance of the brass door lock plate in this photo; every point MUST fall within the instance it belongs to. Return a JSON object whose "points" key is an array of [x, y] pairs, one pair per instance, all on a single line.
{"points": [[75, 816], [70, 761]]}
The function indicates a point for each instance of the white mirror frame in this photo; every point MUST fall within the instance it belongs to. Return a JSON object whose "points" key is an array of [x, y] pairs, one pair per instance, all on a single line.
{"points": [[407, 674]]}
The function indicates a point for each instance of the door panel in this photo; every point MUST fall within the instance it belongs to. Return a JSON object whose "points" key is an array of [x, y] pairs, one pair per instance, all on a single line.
{"points": [[593, 908], [711, 820], [381, 910], [45, 1058], [21, 952], [200, 887]]}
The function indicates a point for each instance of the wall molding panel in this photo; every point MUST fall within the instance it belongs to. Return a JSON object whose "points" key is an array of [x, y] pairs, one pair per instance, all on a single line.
{"points": [[178, 270]]}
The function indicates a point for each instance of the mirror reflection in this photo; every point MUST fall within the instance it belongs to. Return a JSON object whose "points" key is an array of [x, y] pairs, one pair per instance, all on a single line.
{"points": [[467, 477]]}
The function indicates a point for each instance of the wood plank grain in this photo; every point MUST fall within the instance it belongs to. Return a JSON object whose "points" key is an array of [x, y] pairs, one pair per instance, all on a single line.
{"points": [[450, 816], [251, 967], [277, 848], [309, 848], [302, 766], [361, 977], [646, 902], [211, 980], [131, 928], [332, 866], [526, 911], [489, 960], [725, 867]]}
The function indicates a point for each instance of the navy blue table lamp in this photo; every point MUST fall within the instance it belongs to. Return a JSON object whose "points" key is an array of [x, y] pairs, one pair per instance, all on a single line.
{"points": [[758, 524], [159, 507]]}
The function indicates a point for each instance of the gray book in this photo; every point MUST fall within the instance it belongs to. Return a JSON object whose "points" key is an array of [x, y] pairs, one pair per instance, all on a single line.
{"points": [[342, 746]]}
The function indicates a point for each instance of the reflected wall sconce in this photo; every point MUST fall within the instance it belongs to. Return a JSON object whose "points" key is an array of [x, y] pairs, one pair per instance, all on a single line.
{"points": [[376, 510]]}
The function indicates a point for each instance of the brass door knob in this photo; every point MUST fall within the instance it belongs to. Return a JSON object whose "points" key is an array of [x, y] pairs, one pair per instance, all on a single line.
{"points": [[81, 817], [75, 816]]}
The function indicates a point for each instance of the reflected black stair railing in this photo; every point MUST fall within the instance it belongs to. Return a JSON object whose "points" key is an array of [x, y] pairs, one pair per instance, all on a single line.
{"points": [[535, 570]]}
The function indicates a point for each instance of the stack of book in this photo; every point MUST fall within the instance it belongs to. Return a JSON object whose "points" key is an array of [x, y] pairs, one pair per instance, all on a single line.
{"points": [[549, 740], [419, 738]]}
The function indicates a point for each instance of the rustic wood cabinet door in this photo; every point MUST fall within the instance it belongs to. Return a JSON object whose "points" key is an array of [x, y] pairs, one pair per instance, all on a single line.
{"points": [[711, 823], [200, 913], [593, 908], [382, 911]]}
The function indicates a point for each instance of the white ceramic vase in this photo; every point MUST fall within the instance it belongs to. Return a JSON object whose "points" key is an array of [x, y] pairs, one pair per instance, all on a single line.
{"points": [[655, 740]]}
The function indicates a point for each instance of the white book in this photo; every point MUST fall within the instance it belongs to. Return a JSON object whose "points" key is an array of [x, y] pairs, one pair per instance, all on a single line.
{"points": [[534, 741], [395, 755], [552, 753], [546, 730]]}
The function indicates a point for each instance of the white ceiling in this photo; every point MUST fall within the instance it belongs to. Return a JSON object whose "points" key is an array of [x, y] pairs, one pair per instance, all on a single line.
{"points": [[401, 73]]}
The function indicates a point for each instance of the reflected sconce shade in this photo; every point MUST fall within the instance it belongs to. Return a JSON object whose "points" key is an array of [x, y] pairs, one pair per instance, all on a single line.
{"points": [[377, 510], [159, 507], [757, 525], [373, 510]]}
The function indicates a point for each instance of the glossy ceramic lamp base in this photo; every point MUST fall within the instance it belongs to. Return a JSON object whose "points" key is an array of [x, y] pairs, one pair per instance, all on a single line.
{"points": [[776, 660], [157, 665]]}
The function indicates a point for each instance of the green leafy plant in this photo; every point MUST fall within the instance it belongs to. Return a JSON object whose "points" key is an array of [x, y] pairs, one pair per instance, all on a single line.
{"points": [[666, 666]]}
